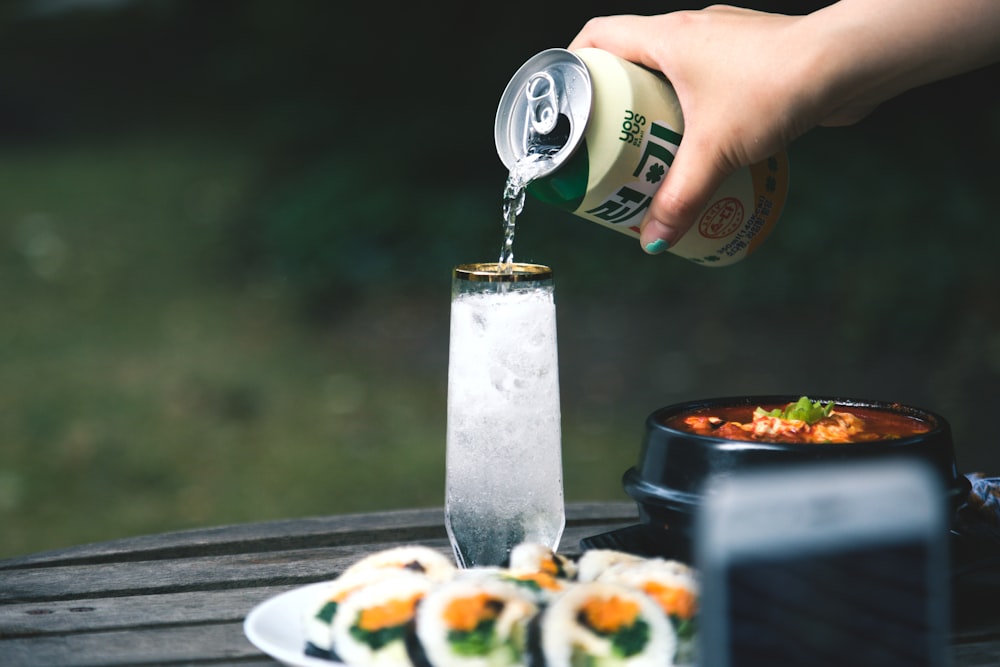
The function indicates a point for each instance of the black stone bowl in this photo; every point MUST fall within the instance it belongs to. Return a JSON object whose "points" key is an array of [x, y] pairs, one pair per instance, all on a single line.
{"points": [[673, 465]]}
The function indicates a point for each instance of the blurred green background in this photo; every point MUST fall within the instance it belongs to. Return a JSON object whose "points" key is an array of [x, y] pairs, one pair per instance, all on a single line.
{"points": [[226, 235]]}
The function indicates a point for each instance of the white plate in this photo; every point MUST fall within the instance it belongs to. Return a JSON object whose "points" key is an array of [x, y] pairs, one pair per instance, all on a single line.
{"points": [[275, 627]]}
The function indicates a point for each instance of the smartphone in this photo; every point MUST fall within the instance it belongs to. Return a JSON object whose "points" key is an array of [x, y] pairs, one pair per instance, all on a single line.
{"points": [[824, 564]]}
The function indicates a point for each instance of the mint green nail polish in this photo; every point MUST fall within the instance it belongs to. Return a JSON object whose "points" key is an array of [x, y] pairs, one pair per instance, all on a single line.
{"points": [[657, 246]]}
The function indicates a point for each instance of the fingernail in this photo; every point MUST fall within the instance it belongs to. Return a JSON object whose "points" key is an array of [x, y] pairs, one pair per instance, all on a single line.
{"points": [[657, 246]]}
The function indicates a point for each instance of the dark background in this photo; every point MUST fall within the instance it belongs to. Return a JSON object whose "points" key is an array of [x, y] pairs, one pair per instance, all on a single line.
{"points": [[360, 135]]}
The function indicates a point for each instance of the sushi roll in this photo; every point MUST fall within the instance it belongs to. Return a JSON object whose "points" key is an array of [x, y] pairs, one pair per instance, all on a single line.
{"points": [[421, 559], [664, 565], [373, 624], [540, 558], [539, 586], [594, 562], [601, 624], [317, 617], [674, 586], [474, 622], [542, 586]]}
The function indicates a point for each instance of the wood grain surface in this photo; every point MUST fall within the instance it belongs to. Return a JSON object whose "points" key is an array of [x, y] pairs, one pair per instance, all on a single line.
{"points": [[181, 598]]}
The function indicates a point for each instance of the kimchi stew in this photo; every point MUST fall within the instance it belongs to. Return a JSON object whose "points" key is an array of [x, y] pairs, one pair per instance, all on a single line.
{"points": [[803, 422]]}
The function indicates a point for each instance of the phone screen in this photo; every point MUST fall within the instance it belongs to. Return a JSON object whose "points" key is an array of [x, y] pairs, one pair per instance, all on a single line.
{"points": [[859, 607], [824, 566]]}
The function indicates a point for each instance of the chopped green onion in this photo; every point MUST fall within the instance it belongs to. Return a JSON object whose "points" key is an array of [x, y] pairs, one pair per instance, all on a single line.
{"points": [[802, 410]]}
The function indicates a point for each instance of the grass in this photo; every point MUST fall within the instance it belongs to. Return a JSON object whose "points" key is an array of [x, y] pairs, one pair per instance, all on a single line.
{"points": [[143, 390], [149, 381]]}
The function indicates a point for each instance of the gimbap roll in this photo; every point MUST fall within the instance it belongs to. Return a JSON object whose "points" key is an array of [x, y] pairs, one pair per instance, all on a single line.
{"points": [[372, 625], [605, 625], [475, 622], [540, 558], [593, 562], [539, 586], [317, 618], [420, 559], [674, 587], [542, 586]]}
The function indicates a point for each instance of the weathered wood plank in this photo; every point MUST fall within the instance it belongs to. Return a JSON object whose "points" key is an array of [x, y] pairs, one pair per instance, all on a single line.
{"points": [[190, 645], [181, 598], [602, 512], [102, 614], [367, 528], [979, 654], [370, 528], [270, 568]]}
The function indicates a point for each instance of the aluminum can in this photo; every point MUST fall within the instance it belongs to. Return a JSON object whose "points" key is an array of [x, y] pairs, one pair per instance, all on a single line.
{"points": [[610, 130]]}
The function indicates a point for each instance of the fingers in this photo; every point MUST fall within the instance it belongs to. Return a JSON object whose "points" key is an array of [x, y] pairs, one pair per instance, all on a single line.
{"points": [[709, 59], [689, 183], [628, 36], [692, 180]]}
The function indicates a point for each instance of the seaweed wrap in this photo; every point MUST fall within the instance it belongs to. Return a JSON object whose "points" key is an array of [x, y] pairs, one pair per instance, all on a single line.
{"points": [[420, 559], [373, 624], [600, 624], [317, 618], [474, 622]]}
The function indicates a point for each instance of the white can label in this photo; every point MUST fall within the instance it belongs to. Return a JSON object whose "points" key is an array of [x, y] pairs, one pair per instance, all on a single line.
{"points": [[633, 134], [627, 205]]}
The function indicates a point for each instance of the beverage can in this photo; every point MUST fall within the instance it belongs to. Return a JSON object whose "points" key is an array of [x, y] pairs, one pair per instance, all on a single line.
{"points": [[601, 133]]}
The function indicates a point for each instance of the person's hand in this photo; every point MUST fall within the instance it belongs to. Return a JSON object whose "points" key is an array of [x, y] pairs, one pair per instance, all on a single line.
{"points": [[743, 85], [750, 82]]}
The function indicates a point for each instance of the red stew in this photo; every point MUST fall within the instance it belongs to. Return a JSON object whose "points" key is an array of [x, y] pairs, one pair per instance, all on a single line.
{"points": [[845, 424]]}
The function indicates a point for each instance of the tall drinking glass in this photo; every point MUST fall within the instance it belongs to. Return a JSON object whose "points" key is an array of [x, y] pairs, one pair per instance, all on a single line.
{"points": [[504, 458]]}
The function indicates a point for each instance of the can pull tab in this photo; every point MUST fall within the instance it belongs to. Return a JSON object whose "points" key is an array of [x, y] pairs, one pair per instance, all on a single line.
{"points": [[543, 102]]}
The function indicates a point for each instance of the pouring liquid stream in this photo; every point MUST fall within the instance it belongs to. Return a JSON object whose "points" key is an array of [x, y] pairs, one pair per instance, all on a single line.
{"points": [[524, 171]]}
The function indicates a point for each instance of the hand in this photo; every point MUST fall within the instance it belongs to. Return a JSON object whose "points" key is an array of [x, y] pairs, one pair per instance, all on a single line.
{"points": [[750, 82], [741, 81]]}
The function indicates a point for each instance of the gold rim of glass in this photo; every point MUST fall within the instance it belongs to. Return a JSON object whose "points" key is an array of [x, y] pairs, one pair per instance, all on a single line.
{"points": [[497, 272]]}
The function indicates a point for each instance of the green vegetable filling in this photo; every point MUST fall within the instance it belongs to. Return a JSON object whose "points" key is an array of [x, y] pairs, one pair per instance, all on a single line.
{"points": [[632, 639], [527, 583], [627, 640], [801, 410], [685, 628], [380, 638], [326, 613], [476, 642]]}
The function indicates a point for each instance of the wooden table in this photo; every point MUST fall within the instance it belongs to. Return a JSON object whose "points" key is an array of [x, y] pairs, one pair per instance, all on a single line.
{"points": [[181, 598]]}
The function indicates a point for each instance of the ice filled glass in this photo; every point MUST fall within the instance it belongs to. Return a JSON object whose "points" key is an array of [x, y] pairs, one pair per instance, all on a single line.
{"points": [[504, 434]]}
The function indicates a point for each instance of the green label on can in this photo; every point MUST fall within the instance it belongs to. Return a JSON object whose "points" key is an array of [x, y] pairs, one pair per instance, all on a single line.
{"points": [[634, 131]]}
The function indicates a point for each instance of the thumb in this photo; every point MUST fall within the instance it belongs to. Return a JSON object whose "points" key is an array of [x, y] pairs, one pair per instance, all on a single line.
{"points": [[690, 182]]}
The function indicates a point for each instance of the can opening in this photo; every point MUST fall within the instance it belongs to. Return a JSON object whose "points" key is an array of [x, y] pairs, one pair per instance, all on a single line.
{"points": [[552, 142], [544, 111]]}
